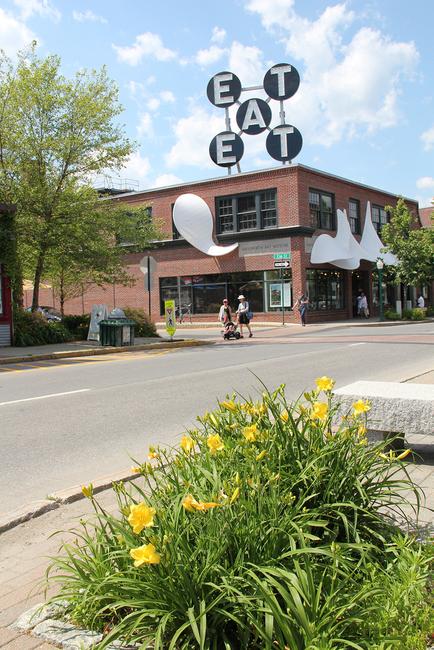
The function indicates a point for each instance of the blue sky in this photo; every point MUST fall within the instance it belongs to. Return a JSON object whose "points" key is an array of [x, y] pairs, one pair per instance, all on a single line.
{"points": [[365, 106]]}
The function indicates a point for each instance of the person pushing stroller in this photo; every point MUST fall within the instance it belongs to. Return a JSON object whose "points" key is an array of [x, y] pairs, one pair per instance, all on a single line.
{"points": [[225, 317]]}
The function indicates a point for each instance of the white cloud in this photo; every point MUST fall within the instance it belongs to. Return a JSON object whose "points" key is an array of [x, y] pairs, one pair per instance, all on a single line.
{"points": [[167, 179], [425, 182], [209, 56], [167, 96], [153, 104], [39, 7], [144, 127], [218, 35], [427, 138], [14, 35], [193, 135], [146, 45], [348, 87], [88, 17], [247, 63], [137, 169]]}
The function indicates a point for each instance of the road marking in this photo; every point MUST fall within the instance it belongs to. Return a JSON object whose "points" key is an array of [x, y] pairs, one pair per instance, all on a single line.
{"points": [[351, 345], [30, 399]]}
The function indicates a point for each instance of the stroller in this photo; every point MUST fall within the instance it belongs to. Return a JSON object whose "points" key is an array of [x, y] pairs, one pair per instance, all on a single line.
{"points": [[230, 331]]}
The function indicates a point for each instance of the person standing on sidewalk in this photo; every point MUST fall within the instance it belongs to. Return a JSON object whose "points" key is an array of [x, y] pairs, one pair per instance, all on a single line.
{"points": [[242, 312], [302, 303]]}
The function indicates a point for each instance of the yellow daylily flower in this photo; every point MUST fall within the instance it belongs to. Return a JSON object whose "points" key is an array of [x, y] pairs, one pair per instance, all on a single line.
{"points": [[145, 554], [361, 406], [235, 495], [215, 443], [250, 433], [284, 416], [229, 405], [136, 470], [191, 504], [87, 491], [187, 444], [362, 431], [319, 411], [324, 383], [261, 455], [404, 454], [141, 516]]}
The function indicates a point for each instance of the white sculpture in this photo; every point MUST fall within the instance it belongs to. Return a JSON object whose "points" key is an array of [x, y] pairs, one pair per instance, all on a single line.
{"points": [[193, 220], [344, 251]]}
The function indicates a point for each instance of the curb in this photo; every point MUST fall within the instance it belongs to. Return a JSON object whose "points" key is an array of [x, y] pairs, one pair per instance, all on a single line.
{"points": [[60, 498], [70, 354]]}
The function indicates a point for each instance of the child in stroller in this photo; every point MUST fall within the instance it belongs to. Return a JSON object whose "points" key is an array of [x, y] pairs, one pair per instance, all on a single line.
{"points": [[225, 317], [230, 331]]}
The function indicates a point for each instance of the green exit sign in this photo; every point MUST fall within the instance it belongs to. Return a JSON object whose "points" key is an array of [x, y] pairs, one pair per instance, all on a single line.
{"points": [[282, 256]]}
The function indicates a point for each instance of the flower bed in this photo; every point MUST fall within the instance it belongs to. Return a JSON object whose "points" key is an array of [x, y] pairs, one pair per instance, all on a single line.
{"points": [[267, 528]]}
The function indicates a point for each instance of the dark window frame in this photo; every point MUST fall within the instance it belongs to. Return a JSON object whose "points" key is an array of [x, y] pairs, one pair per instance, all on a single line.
{"points": [[329, 277], [262, 214], [175, 232], [319, 221], [384, 217], [355, 222]]}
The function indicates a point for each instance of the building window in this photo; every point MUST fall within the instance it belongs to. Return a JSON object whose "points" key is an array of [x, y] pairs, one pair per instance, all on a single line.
{"points": [[246, 212], [321, 206], [379, 217], [325, 290], [354, 216], [175, 233]]}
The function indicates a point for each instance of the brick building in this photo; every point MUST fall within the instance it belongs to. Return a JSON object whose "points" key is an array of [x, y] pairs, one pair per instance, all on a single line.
{"points": [[267, 212]]}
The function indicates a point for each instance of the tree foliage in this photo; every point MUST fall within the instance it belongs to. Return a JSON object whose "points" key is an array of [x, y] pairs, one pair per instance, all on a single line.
{"points": [[413, 246], [55, 135]]}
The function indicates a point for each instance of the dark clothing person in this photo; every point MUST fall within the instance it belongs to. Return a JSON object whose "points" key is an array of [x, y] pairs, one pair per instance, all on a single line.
{"points": [[302, 303]]}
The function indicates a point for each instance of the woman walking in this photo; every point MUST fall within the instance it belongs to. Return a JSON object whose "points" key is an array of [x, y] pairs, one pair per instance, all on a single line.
{"points": [[302, 303], [242, 312]]}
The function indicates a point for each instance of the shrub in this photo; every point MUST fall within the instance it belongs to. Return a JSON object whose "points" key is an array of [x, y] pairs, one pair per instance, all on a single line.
{"points": [[392, 315], [430, 311], [269, 527], [144, 327], [78, 325], [34, 329], [417, 313]]}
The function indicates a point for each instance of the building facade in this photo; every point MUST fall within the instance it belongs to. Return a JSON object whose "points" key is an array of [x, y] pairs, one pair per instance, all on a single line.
{"points": [[268, 213]]}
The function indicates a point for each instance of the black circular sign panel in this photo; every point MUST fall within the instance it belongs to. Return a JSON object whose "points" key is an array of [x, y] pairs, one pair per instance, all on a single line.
{"points": [[254, 116], [223, 89], [284, 142], [226, 149], [281, 81]]}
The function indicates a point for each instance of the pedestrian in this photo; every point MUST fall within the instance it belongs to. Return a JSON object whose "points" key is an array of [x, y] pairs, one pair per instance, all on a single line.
{"points": [[421, 301], [242, 313], [225, 315], [364, 310], [302, 303], [358, 303]]}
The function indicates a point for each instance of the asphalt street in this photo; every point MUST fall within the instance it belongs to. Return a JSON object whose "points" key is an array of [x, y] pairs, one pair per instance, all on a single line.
{"points": [[66, 423]]}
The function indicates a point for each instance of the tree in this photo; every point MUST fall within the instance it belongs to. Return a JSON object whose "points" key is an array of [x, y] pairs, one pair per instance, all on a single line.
{"points": [[413, 246], [55, 134]]}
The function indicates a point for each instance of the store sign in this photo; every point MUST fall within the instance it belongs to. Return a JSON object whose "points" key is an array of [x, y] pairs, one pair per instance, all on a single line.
{"points": [[284, 141], [265, 247]]}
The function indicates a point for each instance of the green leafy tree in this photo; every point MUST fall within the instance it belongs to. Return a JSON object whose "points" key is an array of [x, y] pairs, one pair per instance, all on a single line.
{"points": [[413, 246], [55, 135]]}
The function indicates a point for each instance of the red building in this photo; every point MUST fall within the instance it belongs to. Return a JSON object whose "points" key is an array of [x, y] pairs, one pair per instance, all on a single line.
{"points": [[268, 212]]}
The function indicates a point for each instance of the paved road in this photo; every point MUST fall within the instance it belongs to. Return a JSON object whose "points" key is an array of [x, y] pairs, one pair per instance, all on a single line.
{"points": [[69, 422]]}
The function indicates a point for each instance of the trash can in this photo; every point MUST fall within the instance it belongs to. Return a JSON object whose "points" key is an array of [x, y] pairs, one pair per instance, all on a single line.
{"points": [[116, 332]]}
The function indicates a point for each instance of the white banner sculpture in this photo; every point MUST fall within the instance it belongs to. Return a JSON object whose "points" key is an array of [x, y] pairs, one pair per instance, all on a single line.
{"points": [[344, 251], [193, 220]]}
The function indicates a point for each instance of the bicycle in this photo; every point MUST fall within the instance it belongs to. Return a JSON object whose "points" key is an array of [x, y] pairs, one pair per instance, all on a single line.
{"points": [[183, 312]]}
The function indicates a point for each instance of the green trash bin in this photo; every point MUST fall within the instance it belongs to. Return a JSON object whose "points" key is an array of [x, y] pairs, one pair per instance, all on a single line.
{"points": [[116, 332]]}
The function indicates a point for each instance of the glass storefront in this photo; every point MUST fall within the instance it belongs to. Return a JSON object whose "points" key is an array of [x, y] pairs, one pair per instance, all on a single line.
{"points": [[265, 291], [325, 290]]}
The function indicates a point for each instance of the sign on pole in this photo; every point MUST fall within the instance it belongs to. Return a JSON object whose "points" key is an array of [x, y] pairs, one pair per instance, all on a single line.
{"points": [[169, 313], [148, 266], [282, 256], [282, 264]]}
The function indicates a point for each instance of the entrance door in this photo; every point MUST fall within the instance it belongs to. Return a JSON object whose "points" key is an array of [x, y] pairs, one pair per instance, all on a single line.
{"points": [[360, 282]]}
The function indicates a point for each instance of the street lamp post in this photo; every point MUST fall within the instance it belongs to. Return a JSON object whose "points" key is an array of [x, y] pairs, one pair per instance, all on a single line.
{"points": [[380, 266]]}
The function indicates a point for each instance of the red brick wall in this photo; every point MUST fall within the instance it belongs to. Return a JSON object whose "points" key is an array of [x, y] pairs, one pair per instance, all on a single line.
{"points": [[292, 184]]}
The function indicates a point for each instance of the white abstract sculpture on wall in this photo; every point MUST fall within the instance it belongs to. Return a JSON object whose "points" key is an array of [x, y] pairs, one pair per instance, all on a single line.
{"points": [[344, 251], [193, 220]]}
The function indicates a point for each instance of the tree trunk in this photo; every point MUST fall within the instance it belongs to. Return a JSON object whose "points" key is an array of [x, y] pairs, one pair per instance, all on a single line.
{"points": [[62, 294], [37, 279]]}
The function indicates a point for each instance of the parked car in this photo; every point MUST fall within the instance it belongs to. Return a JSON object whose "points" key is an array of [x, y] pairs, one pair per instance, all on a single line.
{"points": [[49, 313]]}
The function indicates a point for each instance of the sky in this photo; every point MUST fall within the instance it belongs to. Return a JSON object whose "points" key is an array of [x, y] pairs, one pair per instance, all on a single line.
{"points": [[365, 105]]}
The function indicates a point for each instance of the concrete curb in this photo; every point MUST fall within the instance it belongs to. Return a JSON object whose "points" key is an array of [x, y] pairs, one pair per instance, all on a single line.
{"points": [[59, 498], [70, 354]]}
